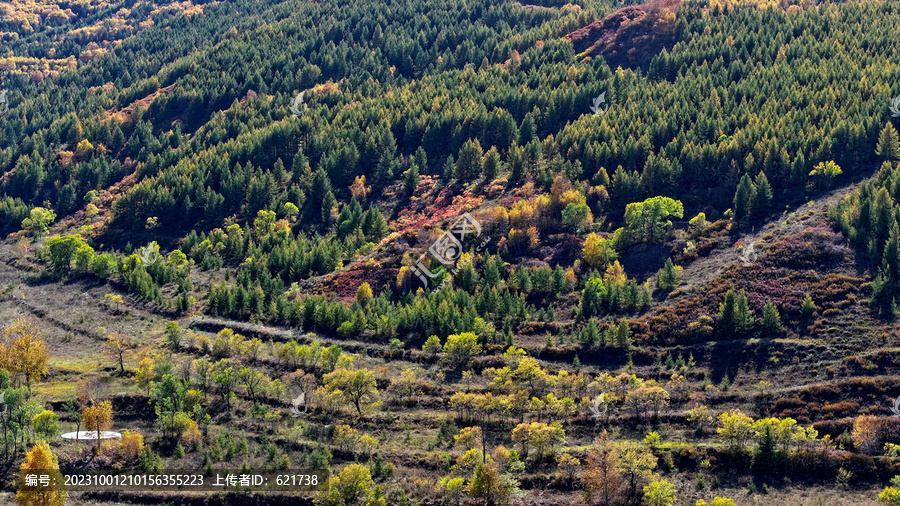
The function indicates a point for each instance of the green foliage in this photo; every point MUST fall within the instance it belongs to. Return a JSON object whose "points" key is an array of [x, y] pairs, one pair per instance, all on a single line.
{"points": [[669, 277], [460, 348], [744, 197], [808, 307], [735, 316], [38, 220], [46, 424], [649, 220], [888, 147], [771, 319], [61, 250]]}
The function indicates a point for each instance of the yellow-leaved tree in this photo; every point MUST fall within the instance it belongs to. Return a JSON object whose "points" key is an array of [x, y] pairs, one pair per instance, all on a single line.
{"points": [[98, 418], [22, 353], [40, 460]]}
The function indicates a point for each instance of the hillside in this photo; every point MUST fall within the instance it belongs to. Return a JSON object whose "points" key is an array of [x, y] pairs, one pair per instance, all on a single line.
{"points": [[631, 36], [429, 253]]}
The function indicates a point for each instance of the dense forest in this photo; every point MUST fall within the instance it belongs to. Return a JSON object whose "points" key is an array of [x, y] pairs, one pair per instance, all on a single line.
{"points": [[496, 268]]}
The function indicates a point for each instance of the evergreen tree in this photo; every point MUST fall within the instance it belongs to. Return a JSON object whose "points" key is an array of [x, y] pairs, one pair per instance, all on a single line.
{"points": [[388, 165], [771, 320], [491, 165], [743, 198], [762, 200], [469, 164], [411, 180], [420, 159], [743, 316], [765, 462], [888, 147], [669, 277], [623, 335], [449, 169]]}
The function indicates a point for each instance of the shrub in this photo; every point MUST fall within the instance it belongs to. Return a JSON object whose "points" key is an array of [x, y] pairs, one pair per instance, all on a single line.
{"points": [[131, 446]]}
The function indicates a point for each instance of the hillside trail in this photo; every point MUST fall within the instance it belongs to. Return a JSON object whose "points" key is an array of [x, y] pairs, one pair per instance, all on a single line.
{"points": [[701, 272]]}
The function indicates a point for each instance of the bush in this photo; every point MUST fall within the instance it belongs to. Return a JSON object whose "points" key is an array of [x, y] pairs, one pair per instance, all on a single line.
{"points": [[131, 446]]}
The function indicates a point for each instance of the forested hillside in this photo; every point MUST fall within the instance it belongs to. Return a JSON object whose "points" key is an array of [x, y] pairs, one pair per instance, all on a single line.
{"points": [[498, 253]]}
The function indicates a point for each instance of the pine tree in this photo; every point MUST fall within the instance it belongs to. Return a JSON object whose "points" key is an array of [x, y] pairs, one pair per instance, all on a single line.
{"points": [[726, 312], [743, 198], [888, 147], [491, 165], [449, 170], [623, 335], [420, 159], [388, 165], [669, 277], [411, 181], [469, 164], [743, 316], [771, 320], [762, 200]]}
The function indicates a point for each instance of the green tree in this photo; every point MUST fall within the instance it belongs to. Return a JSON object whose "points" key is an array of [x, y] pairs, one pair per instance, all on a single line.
{"points": [[469, 164], [46, 424], [888, 147], [762, 200], [61, 250], [460, 348], [669, 277], [650, 218], [356, 387], [623, 335], [592, 297], [576, 217], [735, 314], [771, 319], [490, 167], [38, 221], [743, 198], [411, 180]]}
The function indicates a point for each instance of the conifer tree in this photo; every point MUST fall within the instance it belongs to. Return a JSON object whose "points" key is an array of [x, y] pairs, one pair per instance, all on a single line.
{"points": [[888, 147], [743, 198], [623, 335], [669, 277], [449, 171], [491, 165], [762, 200], [469, 164], [771, 320], [411, 181]]}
